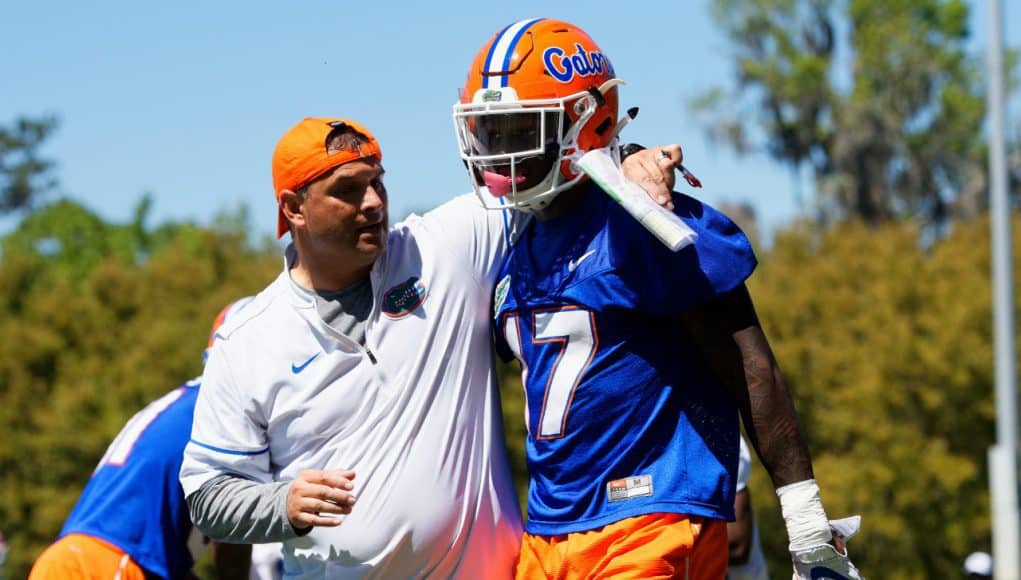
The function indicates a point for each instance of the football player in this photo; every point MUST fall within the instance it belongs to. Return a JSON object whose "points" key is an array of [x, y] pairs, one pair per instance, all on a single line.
{"points": [[131, 521], [634, 359]]}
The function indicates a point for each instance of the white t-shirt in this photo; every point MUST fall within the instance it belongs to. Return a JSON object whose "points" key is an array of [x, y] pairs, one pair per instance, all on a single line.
{"points": [[415, 412], [755, 568]]}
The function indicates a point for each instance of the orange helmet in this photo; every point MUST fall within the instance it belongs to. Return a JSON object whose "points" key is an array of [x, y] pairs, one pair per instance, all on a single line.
{"points": [[539, 95]]}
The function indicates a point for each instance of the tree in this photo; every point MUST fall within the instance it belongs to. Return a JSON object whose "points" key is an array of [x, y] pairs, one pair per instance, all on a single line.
{"points": [[98, 319], [878, 98], [25, 177], [887, 349]]}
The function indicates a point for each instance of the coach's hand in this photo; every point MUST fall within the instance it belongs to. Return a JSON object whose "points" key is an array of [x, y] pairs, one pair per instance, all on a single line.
{"points": [[316, 492], [653, 169]]}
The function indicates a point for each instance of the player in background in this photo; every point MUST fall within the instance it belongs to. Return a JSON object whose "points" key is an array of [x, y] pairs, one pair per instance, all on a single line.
{"points": [[131, 521], [746, 561], [351, 411], [634, 359]]}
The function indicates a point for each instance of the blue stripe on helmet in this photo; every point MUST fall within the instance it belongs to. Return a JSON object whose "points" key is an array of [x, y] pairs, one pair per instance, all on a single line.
{"points": [[510, 49], [489, 57]]}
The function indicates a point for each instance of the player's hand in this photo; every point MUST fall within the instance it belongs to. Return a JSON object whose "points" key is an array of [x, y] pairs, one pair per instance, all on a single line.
{"points": [[654, 170], [314, 493], [829, 560]]}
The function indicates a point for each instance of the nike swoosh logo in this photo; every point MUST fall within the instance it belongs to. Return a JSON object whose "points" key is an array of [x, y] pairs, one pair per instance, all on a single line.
{"points": [[298, 368], [572, 265]]}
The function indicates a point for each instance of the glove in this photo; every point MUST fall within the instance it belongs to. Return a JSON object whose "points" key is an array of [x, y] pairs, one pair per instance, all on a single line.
{"points": [[824, 561]]}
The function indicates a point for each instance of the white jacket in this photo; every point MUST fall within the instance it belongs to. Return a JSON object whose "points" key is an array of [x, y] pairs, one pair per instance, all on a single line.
{"points": [[418, 419]]}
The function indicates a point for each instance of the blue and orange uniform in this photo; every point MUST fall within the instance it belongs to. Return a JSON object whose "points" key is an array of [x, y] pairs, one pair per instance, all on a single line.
{"points": [[629, 429], [131, 520]]}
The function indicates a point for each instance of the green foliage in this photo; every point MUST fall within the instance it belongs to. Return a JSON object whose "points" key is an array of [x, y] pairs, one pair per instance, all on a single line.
{"points": [[877, 97], [24, 176], [887, 349], [98, 319]]}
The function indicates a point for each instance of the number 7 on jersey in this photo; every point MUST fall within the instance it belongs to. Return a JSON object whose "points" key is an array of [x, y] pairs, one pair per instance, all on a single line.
{"points": [[573, 332]]}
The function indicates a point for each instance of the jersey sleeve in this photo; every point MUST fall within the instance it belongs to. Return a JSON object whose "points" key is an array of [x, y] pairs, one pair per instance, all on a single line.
{"points": [[668, 283], [227, 436]]}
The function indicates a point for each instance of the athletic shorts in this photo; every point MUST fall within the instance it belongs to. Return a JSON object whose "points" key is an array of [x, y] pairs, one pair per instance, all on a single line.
{"points": [[649, 546], [81, 557]]}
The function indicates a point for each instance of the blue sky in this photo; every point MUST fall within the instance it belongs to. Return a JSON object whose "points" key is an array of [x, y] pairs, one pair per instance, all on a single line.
{"points": [[186, 100]]}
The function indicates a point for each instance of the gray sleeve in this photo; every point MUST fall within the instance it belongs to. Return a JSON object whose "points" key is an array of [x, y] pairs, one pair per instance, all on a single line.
{"points": [[228, 508]]}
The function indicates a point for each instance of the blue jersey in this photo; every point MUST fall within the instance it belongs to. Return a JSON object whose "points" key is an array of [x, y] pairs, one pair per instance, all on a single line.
{"points": [[624, 416], [134, 499]]}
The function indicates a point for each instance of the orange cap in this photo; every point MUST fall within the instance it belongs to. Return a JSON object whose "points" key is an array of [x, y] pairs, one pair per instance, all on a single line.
{"points": [[301, 156]]}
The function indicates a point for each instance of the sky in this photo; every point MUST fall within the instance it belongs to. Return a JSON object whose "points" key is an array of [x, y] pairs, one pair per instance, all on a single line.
{"points": [[186, 100]]}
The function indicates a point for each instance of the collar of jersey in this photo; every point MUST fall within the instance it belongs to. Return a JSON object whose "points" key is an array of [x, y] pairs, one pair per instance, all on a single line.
{"points": [[564, 238]]}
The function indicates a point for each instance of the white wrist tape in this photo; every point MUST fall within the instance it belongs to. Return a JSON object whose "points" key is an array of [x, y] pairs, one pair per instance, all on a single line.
{"points": [[807, 524]]}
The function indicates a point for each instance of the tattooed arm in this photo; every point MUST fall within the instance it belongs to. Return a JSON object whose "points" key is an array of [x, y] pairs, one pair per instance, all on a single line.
{"points": [[727, 332]]}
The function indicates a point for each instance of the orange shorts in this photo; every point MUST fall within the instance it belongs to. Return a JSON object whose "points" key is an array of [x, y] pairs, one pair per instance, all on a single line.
{"points": [[649, 546], [81, 557]]}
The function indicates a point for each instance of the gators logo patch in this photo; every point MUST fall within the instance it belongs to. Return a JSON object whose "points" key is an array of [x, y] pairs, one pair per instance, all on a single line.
{"points": [[500, 294], [401, 299]]}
